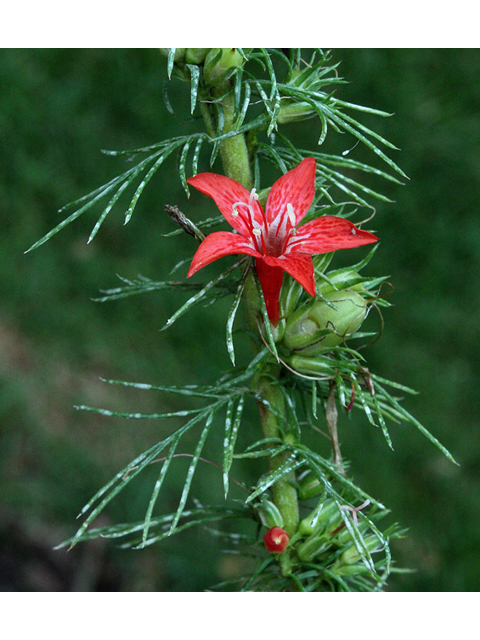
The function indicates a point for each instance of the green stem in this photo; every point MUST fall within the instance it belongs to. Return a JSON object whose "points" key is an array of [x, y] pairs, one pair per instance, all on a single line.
{"points": [[234, 150], [274, 425], [236, 164]]}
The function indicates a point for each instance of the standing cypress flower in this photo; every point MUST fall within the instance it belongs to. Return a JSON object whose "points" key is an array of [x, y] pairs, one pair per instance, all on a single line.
{"points": [[273, 236]]}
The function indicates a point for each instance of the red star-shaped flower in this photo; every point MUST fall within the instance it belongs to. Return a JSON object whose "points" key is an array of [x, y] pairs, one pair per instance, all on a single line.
{"points": [[273, 236]]}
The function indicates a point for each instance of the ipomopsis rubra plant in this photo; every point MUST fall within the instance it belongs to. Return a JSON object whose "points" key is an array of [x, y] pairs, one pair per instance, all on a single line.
{"points": [[312, 528]]}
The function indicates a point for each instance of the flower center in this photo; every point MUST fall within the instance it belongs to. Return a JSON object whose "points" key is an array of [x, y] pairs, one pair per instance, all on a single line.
{"points": [[269, 239], [280, 231]]}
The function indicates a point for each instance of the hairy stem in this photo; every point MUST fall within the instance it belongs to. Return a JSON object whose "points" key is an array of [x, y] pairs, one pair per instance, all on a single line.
{"points": [[233, 151]]}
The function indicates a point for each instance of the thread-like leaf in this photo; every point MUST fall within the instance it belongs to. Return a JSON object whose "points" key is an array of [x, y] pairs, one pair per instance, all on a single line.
{"points": [[283, 470], [191, 471], [170, 62], [76, 214], [230, 441], [231, 316], [201, 294], [142, 186], [409, 418], [156, 489], [194, 79], [126, 475], [196, 155], [182, 165]]}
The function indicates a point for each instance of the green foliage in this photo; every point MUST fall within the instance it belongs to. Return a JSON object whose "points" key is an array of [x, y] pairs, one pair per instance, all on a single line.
{"points": [[306, 380], [302, 88], [306, 399]]}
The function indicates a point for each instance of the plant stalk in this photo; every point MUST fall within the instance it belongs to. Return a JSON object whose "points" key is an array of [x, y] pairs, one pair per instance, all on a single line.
{"points": [[235, 159]]}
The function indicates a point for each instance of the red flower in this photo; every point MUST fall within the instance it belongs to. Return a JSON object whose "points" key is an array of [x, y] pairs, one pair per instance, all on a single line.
{"points": [[272, 236], [276, 540]]}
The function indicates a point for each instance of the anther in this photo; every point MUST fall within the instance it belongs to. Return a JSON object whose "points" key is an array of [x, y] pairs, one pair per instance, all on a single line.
{"points": [[291, 213], [256, 232]]}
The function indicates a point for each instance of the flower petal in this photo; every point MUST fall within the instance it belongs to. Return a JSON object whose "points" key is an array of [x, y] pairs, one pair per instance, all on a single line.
{"points": [[326, 234], [226, 192], [219, 244], [271, 278], [296, 187], [299, 266]]}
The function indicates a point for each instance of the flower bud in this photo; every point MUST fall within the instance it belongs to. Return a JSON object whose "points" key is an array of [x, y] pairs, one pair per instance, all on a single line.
{"points": [[312, 546], [325, 324], [315, 366], [219, 63], [179, 54], [323, 522], [196, 56], [351, 555], [276, 540], [295, 112], [309, 486]]}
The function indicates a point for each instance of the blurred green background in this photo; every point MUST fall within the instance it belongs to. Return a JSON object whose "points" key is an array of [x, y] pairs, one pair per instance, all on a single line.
{"points": [[58, 108]]}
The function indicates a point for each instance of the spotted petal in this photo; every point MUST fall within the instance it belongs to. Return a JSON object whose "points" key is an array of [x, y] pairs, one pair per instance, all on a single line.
{"points": [[226, 192], [326, 234], [299, 266], [217, 245], [296, 187]]}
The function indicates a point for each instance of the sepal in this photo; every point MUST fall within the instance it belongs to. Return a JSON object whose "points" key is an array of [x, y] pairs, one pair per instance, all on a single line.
{"points": [[269, 514]]}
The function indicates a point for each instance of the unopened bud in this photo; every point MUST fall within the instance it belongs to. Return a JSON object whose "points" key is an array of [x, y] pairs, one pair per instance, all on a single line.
{"points": [[326, 323], [321, 522], [312, 546], [295, 112], [179, 54], [276, 540], [309, 486], [220, 63], [196, 56], [351, 555], [313, 366]]}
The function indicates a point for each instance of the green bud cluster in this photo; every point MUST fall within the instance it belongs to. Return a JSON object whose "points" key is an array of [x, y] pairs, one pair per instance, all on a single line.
{"points": [[217, 64], [323, 538]]}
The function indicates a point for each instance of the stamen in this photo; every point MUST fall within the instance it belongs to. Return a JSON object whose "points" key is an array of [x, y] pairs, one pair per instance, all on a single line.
{"points": [[256, 232], [291, 214], [234, 211]]}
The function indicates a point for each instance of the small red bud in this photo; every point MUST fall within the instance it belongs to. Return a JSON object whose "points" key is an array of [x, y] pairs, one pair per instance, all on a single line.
{"points": [[276, 540]]}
